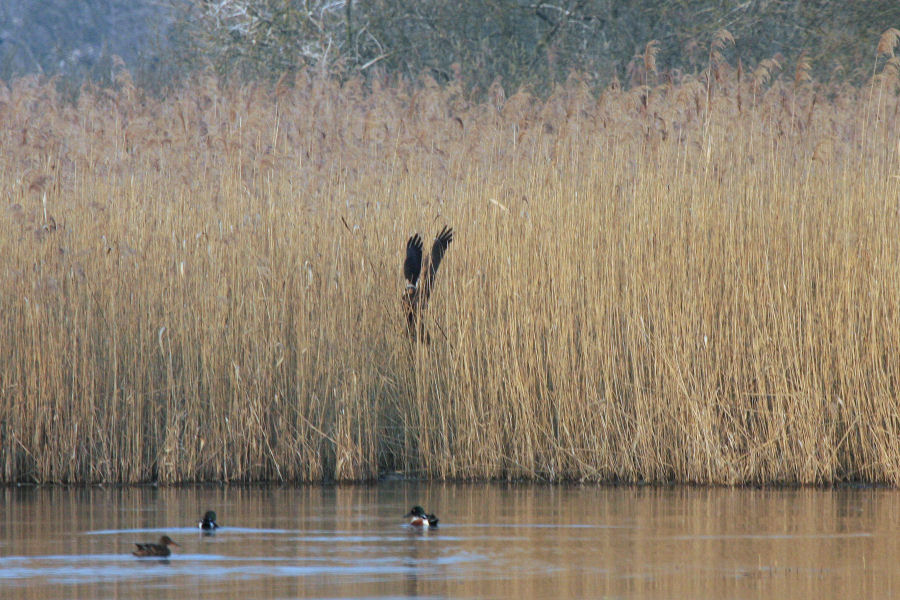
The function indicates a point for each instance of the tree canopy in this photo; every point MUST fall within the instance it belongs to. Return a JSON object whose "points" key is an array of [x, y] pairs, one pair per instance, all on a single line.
{"points": [[521, 42]]}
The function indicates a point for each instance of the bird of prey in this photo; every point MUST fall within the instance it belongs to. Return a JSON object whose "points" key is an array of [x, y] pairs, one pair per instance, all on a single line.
{"points": [[420, 277]]}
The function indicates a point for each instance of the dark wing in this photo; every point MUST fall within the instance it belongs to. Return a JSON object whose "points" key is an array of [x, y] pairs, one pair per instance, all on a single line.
{"points": [[412, 266], [441, 242], [142, 549]]}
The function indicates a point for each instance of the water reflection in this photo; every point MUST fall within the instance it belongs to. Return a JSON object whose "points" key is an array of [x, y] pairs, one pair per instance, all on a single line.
{"points": [[493, 541]]}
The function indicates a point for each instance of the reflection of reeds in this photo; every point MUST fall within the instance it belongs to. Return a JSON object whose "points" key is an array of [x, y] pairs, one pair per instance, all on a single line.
{"points": [[643, 288]]}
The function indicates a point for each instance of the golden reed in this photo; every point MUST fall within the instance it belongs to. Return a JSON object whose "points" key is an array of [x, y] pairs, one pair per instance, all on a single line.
{"points": [[693, 281]]}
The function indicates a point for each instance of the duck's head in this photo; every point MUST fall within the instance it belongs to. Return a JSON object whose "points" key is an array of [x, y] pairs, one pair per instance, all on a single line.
{"points": [[416, 511], [210, 516], [167, 541]]}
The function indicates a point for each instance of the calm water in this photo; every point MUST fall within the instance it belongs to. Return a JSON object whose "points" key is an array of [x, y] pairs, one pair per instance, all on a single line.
{"points": [[494, 541]]}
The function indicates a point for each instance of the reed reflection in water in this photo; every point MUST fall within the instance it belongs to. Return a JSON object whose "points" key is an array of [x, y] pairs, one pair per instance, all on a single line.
{"points": [[498, 541]]}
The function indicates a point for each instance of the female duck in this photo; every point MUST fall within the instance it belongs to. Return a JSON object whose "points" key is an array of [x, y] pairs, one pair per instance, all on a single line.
{"points": [[160, 549]]}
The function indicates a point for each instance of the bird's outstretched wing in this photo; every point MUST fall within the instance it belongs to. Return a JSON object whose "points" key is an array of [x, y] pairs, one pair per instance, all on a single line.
{"points": [[412, 266], [441, 242]]}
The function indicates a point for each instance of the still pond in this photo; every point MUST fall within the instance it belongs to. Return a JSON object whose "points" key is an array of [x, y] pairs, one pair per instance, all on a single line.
{"points": [[493, 541]]}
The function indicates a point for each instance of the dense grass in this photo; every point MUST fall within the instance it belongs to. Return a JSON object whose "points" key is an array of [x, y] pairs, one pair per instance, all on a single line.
{"points": [[697, 281]]}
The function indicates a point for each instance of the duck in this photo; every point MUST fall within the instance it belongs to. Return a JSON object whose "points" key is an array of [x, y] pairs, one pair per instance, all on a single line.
{"points": [[420, 276], [208, 522], [160, 549], [418, 518]]}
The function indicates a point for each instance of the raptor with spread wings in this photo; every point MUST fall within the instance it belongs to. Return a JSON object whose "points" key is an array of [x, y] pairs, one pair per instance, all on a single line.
{"points": [[420, 277]]}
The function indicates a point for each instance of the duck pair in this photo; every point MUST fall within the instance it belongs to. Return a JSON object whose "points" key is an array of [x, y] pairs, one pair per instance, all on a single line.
{"points": [[417, 518], [161, 549]]}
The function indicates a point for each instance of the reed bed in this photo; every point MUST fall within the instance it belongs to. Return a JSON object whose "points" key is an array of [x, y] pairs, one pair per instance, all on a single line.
{"points": [[695, 281]]}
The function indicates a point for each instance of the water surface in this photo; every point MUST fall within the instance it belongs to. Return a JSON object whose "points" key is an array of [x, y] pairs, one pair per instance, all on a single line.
{"points": [[494, 541]]}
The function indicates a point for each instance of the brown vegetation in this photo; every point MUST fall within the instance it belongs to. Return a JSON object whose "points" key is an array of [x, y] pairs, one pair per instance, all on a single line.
{"points": [[693, 280]]}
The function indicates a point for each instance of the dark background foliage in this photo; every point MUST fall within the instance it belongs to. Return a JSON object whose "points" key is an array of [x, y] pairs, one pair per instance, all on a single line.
{"points": [[519, 42]]}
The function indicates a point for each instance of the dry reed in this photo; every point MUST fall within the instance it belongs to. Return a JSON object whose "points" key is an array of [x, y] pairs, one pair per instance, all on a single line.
{"points": [[696, 281]]}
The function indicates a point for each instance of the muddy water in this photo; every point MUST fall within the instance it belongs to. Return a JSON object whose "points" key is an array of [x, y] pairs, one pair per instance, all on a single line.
{"points": [[493, 542]]}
